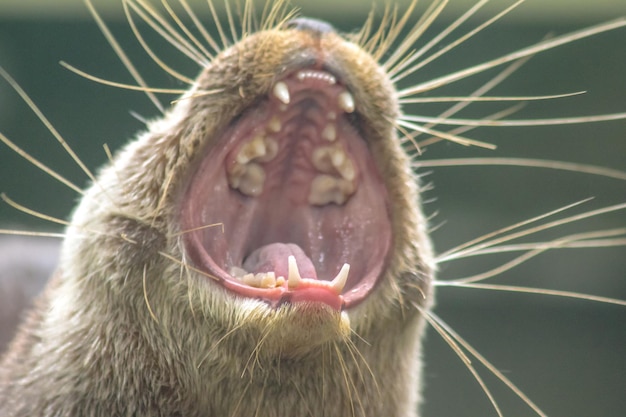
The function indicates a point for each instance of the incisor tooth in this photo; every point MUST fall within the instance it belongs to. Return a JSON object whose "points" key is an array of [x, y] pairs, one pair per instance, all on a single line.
{"points": [[346, 102], [281, 92], [294, 278], [339, 282]]}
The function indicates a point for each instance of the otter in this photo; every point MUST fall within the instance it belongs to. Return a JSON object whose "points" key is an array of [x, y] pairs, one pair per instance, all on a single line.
{"points": [[274, 261]]}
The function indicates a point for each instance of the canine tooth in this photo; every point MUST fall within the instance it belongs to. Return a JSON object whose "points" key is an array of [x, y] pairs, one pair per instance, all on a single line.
{"points": [[274, 124], [281, 92], [294, 278], [346, 102], [329, 133], [327, 189], [339, 282]]}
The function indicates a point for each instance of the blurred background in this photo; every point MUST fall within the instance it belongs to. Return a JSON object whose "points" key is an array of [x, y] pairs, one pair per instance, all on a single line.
{"points": [[568, 356]]}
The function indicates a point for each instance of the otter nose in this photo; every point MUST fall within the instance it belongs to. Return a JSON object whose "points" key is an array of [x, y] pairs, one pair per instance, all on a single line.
{"points": [[315, 26]]}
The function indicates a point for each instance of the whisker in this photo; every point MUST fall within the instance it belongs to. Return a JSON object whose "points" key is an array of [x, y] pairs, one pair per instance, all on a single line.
{"points": [[145, 294], [31, 233], [186, 30], [444, 135], [160, 25], [121, 85], [459, 253], [394, 72], [31, 104], [451, 341], [485, 98], [521, 53], [457, 338], [202, 29], [473, 242], [526, 162], [166, 68], [32, 212], [122, 55], [518, 122], [482, 90], [40, 164], [531, 290], [425, 21]]}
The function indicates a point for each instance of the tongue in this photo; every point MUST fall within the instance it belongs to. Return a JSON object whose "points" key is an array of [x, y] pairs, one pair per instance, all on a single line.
{"points": [[273, 257]]}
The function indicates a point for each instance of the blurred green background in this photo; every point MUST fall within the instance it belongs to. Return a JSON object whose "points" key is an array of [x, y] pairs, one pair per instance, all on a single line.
{"points": [[568, 356]]}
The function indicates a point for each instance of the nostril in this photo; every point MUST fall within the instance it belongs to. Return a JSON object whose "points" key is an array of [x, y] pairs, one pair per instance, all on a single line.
{"points": [[318, 27]]}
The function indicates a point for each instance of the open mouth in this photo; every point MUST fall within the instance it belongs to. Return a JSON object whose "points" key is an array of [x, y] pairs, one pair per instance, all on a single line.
{"points": [[288, 205]]}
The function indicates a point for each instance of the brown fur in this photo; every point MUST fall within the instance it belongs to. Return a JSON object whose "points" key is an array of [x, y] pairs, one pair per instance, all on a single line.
{"points": [[127, 328]]}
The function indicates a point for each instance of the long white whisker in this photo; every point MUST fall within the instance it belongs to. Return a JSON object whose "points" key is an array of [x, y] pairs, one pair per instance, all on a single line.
{"points": [[531, 290], [524, 52]]}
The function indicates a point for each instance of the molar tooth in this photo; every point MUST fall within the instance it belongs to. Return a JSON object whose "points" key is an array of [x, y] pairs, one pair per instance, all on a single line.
{"points": [[248, 179], [252, 150], [322, 160], [267, 279], [237, 272], [281, 92], [271, 150], [339, 282], [338, 157], [294, 277], [327, 189], [330, 132], [346, 102], [346, 169]]}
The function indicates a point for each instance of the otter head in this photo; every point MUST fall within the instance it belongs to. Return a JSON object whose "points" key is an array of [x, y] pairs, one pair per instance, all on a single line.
{"points": [[271, 211]]}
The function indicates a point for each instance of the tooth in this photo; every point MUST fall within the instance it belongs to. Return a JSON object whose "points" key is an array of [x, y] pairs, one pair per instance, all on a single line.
{"points": [[237, 272], [267, 279], [340, 280], [274, 124], [346, 102], [322, 160], [271, 150], [248, 179], [319, 75], [281, 92], [338, 157], [294, 277], [331, 115], [327, 189], [329, 133], [346, 169], [254, 149], [250, 279]]}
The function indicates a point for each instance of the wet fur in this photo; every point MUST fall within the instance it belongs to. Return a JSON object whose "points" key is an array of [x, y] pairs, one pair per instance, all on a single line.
{"points": [[129, 230]]}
